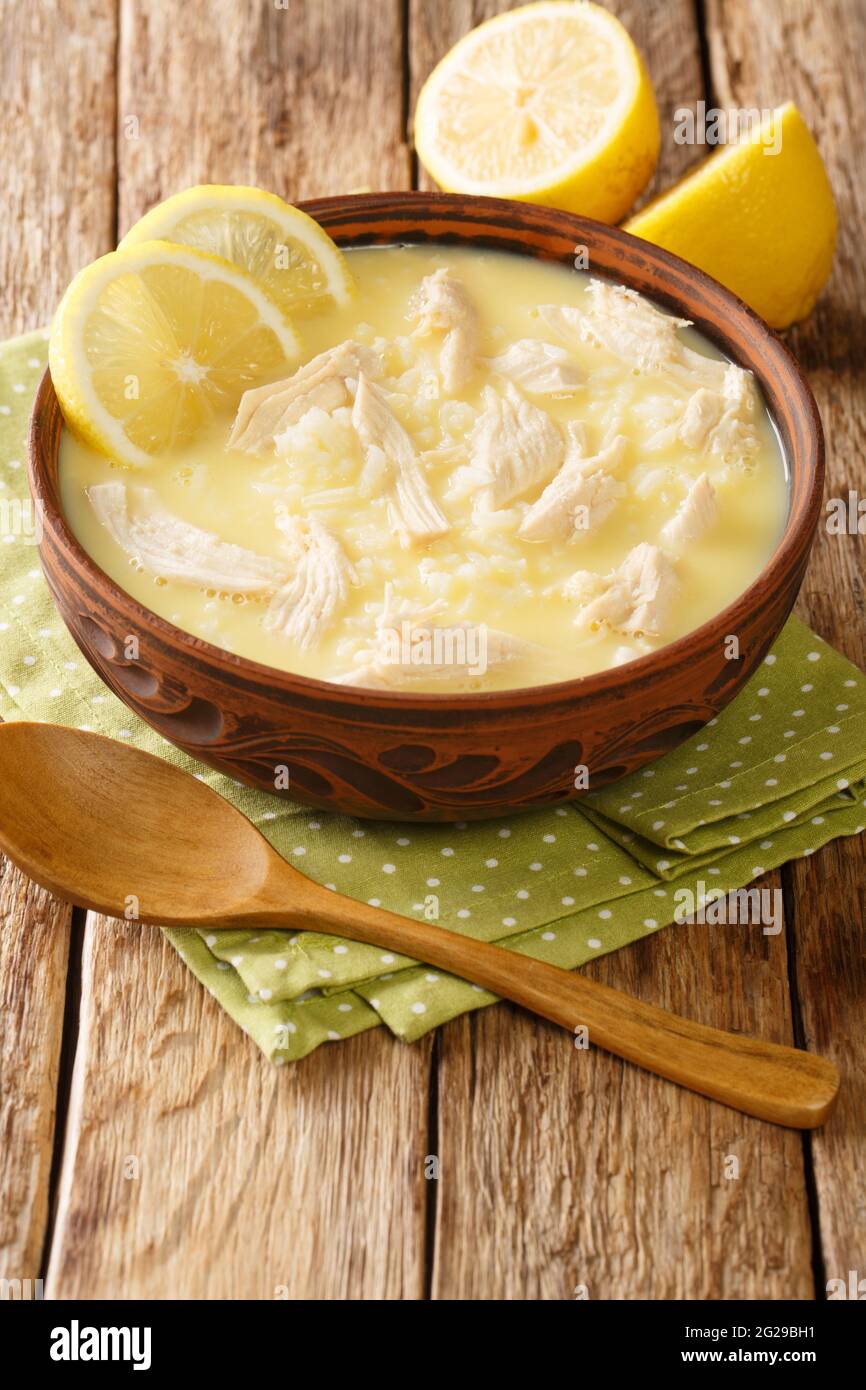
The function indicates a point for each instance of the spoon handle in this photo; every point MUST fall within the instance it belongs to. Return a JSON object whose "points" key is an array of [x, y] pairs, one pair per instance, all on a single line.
{"points": [[770, 1081]]}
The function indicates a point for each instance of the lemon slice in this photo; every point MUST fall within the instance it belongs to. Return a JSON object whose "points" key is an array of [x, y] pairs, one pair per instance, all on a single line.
{"points": [[548, 104], [759, 216], [151, 342], [288, 255]]}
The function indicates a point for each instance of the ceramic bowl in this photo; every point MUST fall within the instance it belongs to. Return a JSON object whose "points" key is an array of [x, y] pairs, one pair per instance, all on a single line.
{"points": [[442, 757]]}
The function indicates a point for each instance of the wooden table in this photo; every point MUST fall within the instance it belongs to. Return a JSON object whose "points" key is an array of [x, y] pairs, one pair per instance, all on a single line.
{"points": [[146, 1149]]}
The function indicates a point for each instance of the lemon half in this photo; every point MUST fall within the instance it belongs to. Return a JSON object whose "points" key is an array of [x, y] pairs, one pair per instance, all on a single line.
{"points": [[288, 255], [762, 223], [151, 342], [548, 104]]}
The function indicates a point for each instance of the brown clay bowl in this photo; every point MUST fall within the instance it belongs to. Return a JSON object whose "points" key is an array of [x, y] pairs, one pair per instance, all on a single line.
{"points": [[455, 756]]}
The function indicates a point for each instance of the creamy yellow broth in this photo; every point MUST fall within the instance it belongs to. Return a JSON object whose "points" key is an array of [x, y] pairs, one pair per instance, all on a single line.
{"points": [[481, 572]]}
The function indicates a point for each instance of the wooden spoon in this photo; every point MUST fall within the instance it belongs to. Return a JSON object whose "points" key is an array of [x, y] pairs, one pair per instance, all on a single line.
{"points": [[99, 823]]}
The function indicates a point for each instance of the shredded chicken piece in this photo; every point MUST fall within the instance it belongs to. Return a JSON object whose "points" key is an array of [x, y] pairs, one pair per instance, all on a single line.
{"points": [[734, 383], [567, 322], [696, 512], [443, 304], [633, 328], [719, 421], [701, 415], [583, 493], [303, 608], [634, 599], [738, 389], [625, 323], [416, 512], [732, 438], [444, 455], [646, 339], [407, 647], [170, 548], [542, 369], [266, 411], [576, 443], [514, 447]]}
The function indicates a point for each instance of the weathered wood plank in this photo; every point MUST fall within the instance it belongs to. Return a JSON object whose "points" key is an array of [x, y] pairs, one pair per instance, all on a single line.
{"points": [[304, 99], [252, 1177], [563, 1168], [558, 1168], [56, 150], [57, 162], [193, 1169], [763, 54], [34, 950]]}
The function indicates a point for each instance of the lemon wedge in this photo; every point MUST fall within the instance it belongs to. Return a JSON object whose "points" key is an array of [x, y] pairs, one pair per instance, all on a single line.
{"points": [[151, 342], [288, 255], [761, 222], [548, 104]]}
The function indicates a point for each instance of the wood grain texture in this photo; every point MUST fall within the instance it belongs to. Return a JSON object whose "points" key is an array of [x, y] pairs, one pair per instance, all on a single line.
{"points": [[34, 951], [762, 54], [56, 150], [309, 1177], [57, 178], [304, 99], [637, 1215], [194, 1169], [563, 1168]]}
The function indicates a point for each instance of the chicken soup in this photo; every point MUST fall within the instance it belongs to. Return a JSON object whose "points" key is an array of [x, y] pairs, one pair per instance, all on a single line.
{"points": [[483, 471]]}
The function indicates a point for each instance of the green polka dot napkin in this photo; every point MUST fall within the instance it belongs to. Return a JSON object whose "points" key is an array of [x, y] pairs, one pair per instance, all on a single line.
{"points": [[775, 776]]}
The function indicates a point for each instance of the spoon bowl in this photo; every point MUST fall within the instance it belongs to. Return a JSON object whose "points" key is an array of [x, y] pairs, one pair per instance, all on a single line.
{"points": [[142, 828]]}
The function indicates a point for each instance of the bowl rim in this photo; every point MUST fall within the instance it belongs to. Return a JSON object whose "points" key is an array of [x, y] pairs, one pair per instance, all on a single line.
{"points": [[597, 684]]}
